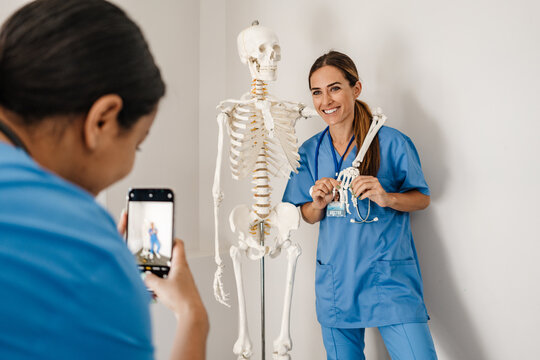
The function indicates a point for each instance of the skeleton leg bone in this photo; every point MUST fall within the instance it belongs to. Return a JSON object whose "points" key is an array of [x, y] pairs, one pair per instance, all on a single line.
{"points": [[283, 344], [242, 346]]}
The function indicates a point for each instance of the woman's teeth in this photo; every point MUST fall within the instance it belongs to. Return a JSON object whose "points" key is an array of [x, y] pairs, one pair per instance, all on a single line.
{"points": [[330, 111]]}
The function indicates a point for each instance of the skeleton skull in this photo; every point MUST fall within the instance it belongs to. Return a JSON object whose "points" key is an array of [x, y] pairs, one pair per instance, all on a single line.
{"points": [[258, 46]]}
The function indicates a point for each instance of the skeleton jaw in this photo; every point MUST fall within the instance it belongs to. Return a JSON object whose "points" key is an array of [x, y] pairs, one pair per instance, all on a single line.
{"points": [[262, 71]]}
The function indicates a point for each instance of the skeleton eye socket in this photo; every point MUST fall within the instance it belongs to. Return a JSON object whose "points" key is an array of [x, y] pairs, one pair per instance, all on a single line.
{"points": [[262, 48]]}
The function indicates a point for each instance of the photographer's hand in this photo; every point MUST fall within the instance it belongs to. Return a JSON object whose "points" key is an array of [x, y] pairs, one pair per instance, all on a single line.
{"points": [[179, 293]]}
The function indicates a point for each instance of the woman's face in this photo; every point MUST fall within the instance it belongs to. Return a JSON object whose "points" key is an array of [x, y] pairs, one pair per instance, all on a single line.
{"points": [[333, 97]]}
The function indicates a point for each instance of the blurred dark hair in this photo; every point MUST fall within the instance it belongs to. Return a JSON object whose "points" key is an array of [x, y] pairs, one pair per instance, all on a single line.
{"points": [[362, 112], [57, 57]]}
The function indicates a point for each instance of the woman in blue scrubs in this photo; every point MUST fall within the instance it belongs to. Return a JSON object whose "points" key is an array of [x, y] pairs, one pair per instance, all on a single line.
{"points": [[79, 91], [367, 271], [154, 241]]}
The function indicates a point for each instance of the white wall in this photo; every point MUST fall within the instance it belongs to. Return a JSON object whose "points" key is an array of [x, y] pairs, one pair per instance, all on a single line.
{"points": [[166, 160], [460, 78]]}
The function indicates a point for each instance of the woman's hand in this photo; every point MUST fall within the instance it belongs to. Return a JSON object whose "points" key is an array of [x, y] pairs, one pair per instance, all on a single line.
{"points": [[178, 291], [370, 187], [322, 192]]}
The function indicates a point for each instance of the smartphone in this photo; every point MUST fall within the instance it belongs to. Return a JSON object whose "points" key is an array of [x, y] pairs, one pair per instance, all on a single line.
{"points": [[150, 229]]}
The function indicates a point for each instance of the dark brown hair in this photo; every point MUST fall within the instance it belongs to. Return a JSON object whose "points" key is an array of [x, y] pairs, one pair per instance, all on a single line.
{"points": [[58, 57], [362, 113]]}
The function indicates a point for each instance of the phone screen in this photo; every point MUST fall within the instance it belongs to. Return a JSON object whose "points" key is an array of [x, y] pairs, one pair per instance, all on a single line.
{"points": [[150, 228]]}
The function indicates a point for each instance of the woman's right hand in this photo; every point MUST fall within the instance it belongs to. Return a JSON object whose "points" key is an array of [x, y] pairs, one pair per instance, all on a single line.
{"points": [[178, 291], [322, 192]]}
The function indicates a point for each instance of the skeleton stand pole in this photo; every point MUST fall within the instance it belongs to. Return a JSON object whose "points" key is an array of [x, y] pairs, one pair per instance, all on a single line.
{"points": [[263, 342]]}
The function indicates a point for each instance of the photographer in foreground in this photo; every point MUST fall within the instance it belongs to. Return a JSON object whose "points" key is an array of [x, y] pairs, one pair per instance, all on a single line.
{"points": [[79, 90]]}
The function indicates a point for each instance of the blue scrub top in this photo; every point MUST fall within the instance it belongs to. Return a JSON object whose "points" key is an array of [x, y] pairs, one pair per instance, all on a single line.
{"points": [[69, 287], [367, 275]]}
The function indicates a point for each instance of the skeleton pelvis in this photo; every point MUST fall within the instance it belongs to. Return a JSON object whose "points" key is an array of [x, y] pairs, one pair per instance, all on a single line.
{"points": [[245, 223]]}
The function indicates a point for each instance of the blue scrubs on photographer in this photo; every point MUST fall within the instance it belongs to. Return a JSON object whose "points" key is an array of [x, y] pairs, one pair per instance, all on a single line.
{"points": [[70, 287], [367, 275]]}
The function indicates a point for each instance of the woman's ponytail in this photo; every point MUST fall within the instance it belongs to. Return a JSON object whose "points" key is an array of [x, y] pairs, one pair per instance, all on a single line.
{"points": [[361, 123]]}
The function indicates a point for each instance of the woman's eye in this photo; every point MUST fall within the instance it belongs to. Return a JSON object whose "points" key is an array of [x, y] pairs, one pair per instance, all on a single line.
{"points": [[335, 88], [316, 92]]}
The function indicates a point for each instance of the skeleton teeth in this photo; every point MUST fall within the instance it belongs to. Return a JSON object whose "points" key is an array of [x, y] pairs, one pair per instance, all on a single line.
{"points": [[330, 111]]}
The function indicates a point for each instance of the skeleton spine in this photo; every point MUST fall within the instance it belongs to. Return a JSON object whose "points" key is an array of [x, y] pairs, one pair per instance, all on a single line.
{"points": [[261, 180]]}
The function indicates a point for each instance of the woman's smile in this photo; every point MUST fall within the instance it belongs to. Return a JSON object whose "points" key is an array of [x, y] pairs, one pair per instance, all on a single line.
{"points": [[330, 111]]}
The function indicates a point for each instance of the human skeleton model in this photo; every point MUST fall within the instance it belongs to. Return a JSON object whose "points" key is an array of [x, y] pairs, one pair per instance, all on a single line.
{"points": [[262, 142]]}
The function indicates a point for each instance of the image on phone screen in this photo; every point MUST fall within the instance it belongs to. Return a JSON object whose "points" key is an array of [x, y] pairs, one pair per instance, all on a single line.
{"points": [[150, 229]]}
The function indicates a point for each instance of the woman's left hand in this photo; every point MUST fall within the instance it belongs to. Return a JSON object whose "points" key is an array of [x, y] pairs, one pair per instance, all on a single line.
{"points": [[370, 187]]}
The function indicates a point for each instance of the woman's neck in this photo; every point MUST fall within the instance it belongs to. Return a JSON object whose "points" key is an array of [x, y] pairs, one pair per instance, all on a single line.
{"points": [[45, 144], [341, 132]]}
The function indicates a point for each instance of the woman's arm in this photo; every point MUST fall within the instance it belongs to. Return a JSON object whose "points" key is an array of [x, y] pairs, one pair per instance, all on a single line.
{"points": [[179, 293], [310, 214], [369, 187], [408, 201]]}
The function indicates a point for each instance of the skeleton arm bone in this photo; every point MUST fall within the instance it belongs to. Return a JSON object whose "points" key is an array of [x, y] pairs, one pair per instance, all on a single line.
{"points": [[302, 110], [376, 123], [346, 176], [217, 194]]}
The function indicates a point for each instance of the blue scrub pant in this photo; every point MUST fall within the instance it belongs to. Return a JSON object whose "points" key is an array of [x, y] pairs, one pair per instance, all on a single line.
{"points": [[410, 341], [154, 242]]}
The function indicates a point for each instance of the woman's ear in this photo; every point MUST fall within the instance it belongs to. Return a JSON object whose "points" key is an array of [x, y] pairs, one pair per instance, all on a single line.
{"points": [[357, 89], [101, 122]]}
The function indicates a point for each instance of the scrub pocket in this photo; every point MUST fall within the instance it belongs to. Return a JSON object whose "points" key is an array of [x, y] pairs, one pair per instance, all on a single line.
{"points": [[399, 281], [324, 292]]}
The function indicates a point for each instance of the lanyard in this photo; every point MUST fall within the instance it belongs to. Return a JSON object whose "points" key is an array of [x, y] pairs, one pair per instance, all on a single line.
{"points": [[337, 166], [10, 134]]}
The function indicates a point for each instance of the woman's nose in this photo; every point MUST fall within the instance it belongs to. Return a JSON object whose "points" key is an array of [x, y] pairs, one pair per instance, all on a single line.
{"points": [[327, 99]]}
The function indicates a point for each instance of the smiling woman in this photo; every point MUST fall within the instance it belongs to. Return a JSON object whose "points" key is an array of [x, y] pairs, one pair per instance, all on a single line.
{"points": [[79, 90], [367, 272]]}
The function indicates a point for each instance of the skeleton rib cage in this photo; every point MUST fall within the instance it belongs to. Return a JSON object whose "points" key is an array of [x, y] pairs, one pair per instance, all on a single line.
{"points": [[258, 151]]}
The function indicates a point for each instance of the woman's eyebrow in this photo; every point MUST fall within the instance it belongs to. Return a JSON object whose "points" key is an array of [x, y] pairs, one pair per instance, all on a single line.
{"points": [[329, 85]]}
